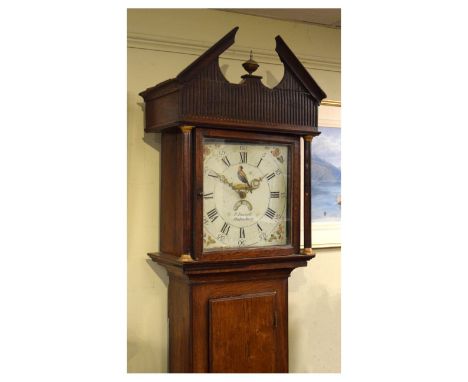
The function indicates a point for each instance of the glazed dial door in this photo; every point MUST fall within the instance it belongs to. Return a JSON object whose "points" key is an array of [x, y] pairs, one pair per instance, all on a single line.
{"points": [[245, 194]]}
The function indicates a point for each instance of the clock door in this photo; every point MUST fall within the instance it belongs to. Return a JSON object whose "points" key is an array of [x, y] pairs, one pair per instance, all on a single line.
{"points": [[243, 333], [247, 195]]}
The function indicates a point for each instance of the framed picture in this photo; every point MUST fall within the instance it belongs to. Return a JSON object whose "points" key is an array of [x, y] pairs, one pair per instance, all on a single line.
{"points": [[326, 180]]}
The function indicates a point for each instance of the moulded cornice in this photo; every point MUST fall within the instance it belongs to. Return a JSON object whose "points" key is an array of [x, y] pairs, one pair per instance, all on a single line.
{"points": [[237, 52]]}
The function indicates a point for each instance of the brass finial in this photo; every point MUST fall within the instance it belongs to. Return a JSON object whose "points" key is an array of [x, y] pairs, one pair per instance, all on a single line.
{"points": [[250, 66]]}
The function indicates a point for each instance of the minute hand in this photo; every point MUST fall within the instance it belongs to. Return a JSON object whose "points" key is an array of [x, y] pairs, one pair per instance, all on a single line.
{"points": [[224, 180], [255, 183]]}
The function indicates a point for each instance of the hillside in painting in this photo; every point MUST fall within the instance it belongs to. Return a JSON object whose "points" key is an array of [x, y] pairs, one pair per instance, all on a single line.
{"points": [[326, 178]]}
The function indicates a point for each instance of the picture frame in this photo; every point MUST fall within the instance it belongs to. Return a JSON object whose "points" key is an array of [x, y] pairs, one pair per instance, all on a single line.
{"points": [[326, 228]]}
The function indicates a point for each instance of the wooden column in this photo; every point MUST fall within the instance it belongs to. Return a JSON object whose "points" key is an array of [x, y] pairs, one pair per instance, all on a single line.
{"points": [[186, 176], [307, 196]]}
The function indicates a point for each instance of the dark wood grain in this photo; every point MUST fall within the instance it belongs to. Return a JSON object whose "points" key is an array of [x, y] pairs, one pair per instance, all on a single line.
{"points": [[161, 111], [180, 334], [185, 173], [202, 294], [200, 94], [290, 61], [307, 176], [192, 285], [231, 265], [244, 325], [176, 191], [171, 202]]}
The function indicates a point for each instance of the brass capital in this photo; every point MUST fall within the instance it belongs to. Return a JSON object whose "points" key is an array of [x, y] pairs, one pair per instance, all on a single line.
{"points": [[186, 129], [307, 251], [308, 138], [185, 257]]}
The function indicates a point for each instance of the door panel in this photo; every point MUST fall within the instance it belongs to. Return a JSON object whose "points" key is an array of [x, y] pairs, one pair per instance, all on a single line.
{"points": [[243, 333]]}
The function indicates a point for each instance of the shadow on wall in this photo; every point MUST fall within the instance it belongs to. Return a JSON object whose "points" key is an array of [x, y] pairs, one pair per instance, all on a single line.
{"points": [[314, 328], [270, 81], [159, 271], [142, 352], [141, 355], [147, 302], [314, 325], [154, 140]]}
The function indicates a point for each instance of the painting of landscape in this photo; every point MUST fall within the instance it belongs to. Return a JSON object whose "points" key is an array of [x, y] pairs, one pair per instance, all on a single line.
{"points": [[326, 176]]}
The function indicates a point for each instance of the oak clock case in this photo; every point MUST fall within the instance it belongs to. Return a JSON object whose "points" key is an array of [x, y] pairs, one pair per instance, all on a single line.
{"points": [[231, 209]]}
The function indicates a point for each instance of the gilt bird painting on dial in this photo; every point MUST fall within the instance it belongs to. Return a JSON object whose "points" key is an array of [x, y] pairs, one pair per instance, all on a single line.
{"points": [[224, 269]]}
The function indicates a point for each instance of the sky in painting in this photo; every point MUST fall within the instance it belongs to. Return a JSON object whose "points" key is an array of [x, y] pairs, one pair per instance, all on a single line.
{"points": [[326, 176]]}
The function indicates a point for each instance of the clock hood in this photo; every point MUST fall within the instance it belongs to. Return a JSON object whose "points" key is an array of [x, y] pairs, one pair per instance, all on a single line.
{"points": [[200, 94]]}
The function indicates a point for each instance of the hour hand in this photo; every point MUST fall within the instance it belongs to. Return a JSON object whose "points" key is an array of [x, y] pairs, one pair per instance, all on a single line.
{"points": [[221, 177], [240, 188]]}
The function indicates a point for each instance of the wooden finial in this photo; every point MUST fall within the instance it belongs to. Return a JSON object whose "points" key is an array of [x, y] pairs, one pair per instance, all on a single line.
{"points": [[251, 65]]}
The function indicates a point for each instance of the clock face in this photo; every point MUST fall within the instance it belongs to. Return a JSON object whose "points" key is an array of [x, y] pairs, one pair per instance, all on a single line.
{"points": [[245, 194]]}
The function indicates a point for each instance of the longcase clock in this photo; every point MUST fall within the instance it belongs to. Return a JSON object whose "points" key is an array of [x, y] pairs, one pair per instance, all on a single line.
{"points": [[230, 208]]}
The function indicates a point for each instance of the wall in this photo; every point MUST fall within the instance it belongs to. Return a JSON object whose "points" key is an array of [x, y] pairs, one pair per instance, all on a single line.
{"points": [[160, 44]]}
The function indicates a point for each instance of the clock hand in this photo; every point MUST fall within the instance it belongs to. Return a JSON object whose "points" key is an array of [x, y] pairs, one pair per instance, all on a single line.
{"points": [[246, 185], [223, 179], [240, 188], [255, 183]]}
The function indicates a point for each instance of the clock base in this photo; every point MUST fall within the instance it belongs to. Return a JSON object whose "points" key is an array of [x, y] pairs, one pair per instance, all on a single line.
{"points": [[229, 316]]}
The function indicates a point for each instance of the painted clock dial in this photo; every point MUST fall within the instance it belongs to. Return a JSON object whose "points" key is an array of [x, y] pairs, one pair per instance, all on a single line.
{"points": [[245, 194]]}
